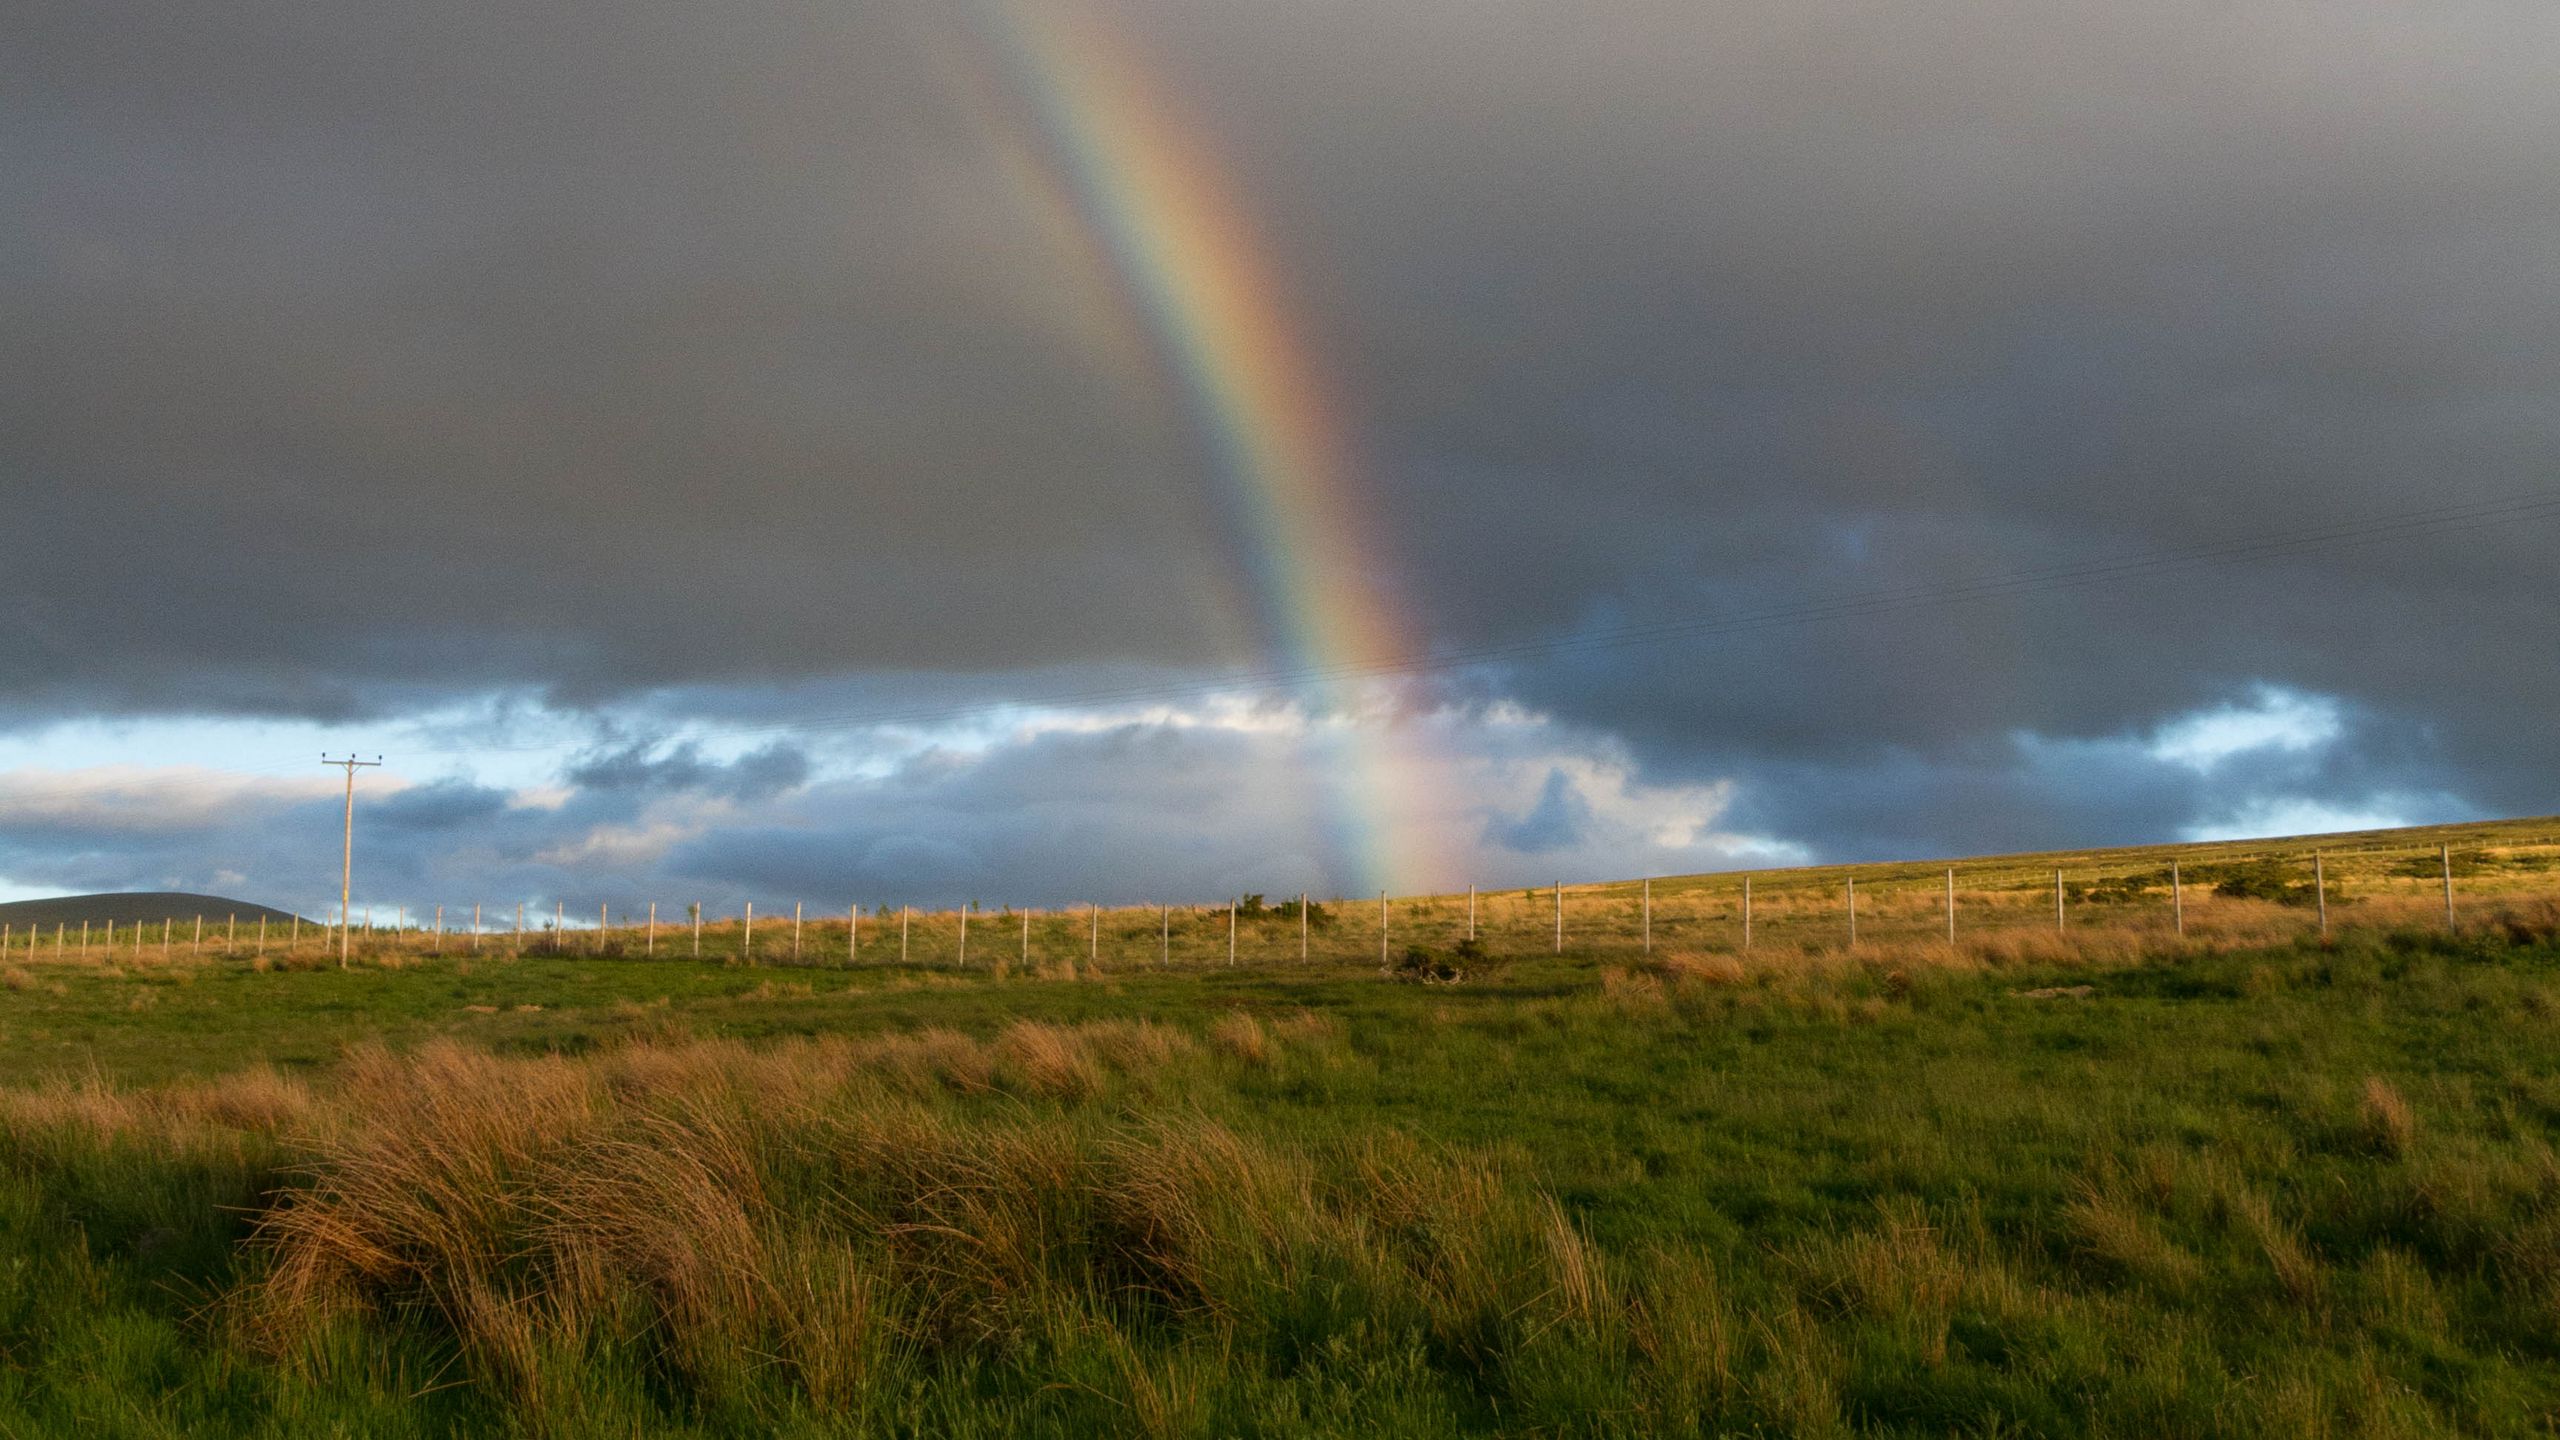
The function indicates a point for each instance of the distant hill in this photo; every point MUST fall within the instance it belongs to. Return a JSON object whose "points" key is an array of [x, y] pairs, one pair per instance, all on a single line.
{"points": [[139, 907]]}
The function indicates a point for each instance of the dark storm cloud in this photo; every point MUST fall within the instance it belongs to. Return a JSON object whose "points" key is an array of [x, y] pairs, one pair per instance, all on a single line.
{"points": [[758, 775], [355, 357], [441, 807]]}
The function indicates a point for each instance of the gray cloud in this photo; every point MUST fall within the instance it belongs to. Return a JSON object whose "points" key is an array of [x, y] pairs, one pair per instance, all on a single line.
{"points": [[758, 775], [1556, 822], [721, 364]]}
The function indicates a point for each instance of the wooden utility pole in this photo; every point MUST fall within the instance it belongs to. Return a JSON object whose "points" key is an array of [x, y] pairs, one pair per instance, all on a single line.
{"points": [[347, 863]]}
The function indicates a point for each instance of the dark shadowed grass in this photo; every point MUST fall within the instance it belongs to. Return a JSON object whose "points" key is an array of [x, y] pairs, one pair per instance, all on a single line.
{"points": [[2301, 1190]]}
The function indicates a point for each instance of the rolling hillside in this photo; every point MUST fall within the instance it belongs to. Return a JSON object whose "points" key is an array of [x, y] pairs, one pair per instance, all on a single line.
{"points": [[136, 907]]}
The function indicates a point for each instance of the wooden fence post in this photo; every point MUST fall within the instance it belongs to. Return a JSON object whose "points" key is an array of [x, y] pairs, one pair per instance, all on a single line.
{"points": [[2444, 856], [2177, 897], [2320, 891], [1853, 912]]}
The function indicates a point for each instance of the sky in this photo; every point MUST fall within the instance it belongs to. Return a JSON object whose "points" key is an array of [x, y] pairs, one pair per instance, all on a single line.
{"points": [[897, 452]]}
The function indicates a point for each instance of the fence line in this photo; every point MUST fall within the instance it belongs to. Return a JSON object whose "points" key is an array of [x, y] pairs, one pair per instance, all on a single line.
{"points": [[2229, 895]]}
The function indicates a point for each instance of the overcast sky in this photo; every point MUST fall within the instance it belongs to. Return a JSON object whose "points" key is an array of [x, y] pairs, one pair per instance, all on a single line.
{"points": [[686, 442]]}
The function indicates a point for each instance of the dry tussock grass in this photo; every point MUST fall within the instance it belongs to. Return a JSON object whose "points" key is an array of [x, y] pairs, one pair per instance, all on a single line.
{"points": [[2387, 1124], [525, 1202], [2112, 1230], [1051, 1060], [1241, 1035], [1687, 968], [1902, 1271], [2296, 1270], [259, 1103]]}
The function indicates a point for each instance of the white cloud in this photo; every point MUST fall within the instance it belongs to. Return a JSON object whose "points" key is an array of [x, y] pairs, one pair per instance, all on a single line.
{"points": [[2293, 815], [144, 798], [2272, 718]]}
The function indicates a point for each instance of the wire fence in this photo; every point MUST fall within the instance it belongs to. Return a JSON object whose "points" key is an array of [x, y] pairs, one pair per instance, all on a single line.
{"points": [[2221, 896]]}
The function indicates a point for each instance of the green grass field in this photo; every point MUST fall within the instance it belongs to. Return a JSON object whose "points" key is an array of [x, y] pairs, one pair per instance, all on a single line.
{"points": [[2111, 1182]]}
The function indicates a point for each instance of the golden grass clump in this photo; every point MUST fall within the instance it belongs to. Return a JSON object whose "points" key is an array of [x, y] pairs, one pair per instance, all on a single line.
{"points": [[2297, 1271], [1240, 1035], [1050, 1060], [2112, 1231], [1698, 968], [1137, 1045], [2387, 1124], [414, 1192]]}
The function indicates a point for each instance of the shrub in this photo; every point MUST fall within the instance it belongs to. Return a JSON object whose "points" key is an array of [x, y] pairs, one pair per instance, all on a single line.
{"points": [[1420, 965], [1318, 917], [2263, 880], [2118, 889], [1425, 966]]}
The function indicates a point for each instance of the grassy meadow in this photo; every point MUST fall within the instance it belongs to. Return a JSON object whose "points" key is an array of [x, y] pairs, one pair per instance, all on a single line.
{"points": [[2103, 1178]]}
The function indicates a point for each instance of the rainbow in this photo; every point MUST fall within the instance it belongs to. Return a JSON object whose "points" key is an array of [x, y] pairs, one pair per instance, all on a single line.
{"points": [[1172, 239]]}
